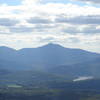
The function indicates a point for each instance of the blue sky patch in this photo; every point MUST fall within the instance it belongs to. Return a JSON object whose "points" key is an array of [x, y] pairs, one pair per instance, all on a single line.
{"points": [[10, 2]]}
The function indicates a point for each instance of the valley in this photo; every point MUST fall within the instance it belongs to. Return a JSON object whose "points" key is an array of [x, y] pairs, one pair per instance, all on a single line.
{"points": [[50, 72]]}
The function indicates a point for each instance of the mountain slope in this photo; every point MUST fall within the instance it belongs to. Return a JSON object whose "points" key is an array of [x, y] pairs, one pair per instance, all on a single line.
{"points": [[89, 68], [53, 55], [44, 57]]}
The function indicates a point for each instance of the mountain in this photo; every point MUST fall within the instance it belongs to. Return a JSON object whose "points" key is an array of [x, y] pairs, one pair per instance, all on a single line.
{"points": [[89, 68], [7, 53], [45, 57], [10, 59], [54, 55], [50, 72]]}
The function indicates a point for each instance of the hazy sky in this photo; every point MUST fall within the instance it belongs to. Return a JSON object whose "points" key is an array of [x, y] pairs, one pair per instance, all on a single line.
{"points": [[31, 23]]}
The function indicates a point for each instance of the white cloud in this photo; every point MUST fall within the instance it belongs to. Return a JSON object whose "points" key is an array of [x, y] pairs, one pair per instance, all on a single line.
{"points": [[37, 25], [30, 2], [90, 1]]}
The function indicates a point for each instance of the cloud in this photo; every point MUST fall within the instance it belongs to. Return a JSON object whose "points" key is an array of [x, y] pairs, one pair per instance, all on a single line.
{"points": [[71, 30], [47, 40], [90, 19], [21, 29], [45, 26], [39, 20], [4, 30], [91, 30], [8, 22], [90, 1], [34, 23], [83, 29], [30, 2]]}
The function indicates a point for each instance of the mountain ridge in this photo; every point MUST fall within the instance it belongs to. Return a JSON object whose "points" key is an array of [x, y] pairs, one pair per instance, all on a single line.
{"points": [[44, 57], [47, 45]]}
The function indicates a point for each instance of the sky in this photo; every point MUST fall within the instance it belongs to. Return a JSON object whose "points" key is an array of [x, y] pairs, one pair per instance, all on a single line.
{"points": [[32, 23]]}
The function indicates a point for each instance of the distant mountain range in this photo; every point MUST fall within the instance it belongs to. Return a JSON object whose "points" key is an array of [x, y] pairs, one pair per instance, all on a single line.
{"points": [[52, 58]]}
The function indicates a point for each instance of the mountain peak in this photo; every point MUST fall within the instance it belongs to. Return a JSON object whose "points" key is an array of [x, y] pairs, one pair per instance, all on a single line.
{"points": [[52, 45]]}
